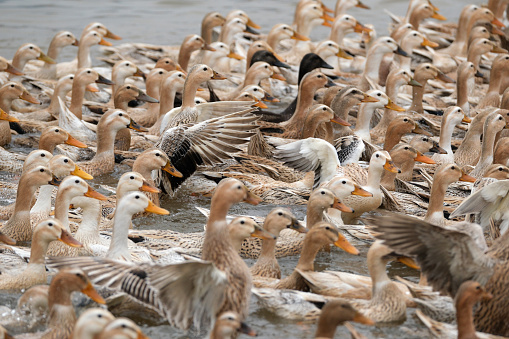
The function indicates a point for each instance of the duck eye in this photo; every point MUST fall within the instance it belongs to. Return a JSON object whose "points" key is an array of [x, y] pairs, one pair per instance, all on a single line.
{"points": [[160, 72], [128, 87], [478, 287], [137, 197], [120, 114], [99, 316], [379, 94], [12, 85], [72, 78], [318, 76], [68, 35], [180, 75], [327, 227], [343, 182], [76, 181], [31, 47], [415, 34], [66, 160], [500, 118], [239, 187], [452, 167], [167, 62], [405, 120], [132, 177], [50, 224], [242, 222], [425, 139], [256, 90], [330, 45], [280, 213], [347, 18], [500, 169], [406, 148], [158, 154], [43, 155], [427, 67], [378, 155], [88, 72], [41, 170], [124, 326], [205, 68]]}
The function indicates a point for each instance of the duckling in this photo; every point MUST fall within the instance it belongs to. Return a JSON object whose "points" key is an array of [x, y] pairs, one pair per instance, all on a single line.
{"points": [[35, 272]]}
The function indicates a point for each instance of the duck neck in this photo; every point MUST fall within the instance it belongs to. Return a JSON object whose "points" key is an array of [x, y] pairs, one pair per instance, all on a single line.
{"points": [[38, 250], [337, 34], [462, 88], [415, 19], [184, 56], [374, 177], [121, 222], [326, 327], [167, 100], [273, 40], [252, 78], [78, 93], [60, 92], [19, 61], [122, 102], [119, 79], [488, 143], [105, 139], [496, 75], [446, 131], [26, 191], [62, 202], [206, 32], [6, 99], [465, 319], [84, 60], [373, 61], [218, 211], [308, 255], [190, 88], [89, 227], [364, 118], [54, 49], [314, 214], [310, 126], [417, 95], [392, 138], [304, 101], [268, 250], [43, 202], [378, 274], [62, 313], [437, 196]]}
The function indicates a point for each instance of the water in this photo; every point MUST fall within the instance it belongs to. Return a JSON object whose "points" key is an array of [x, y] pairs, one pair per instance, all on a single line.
{"points": [[167, 22]]}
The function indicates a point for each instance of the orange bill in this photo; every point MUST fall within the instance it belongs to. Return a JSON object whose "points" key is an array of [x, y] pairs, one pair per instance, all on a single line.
{"points": [[435, 8], [217, 76], [67, 239], [172, 170], [466, 177], [498, 23], [260, 104], [81, 173], [46, 58], [361, 319], [326, 16], [252, 199], [345, 245], [498, 49], [438, 16], [342, 54], [235, 56], [409, 262], [140, 335], [359, 28], [152, 208], [92, 294], [146, 187], [27, 97], [13, 70], [134, 125], [340, 121], [105, 43], [207, 47], [429, 43], [361, 191], [251, 24], [6, 240], [269, 98], [326, 23], [497, 31], [278, 76], [369, 98], [466, 119], [389, 166], [112, 36], [392, 105], [76, 42], [7, 117], [424, 159], [341, 207], [262, 234], [297, 36], [92, 88], [73, 142], [91, 193], [361, 5], [139, 73]]}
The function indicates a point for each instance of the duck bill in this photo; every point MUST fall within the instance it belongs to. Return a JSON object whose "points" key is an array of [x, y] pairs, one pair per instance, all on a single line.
{"points": [[45, 58], [269, 98], [251, 24], [262, 234], [73, 142], [409, 262], [244, 328], [92, 294], [497, 31], [342, 54], [497, 49], [418, 130], [327, 17], [361, 5], [424, 159], [146, 187], [152, 208], [345, 245], [297, 36], [429, 43], [135, 126], [497, 23], [6, 240], [341, 207], [81, 173], [140, 335], [278, 76], [252, 199], [339, 121], [139, 73], [435, 8], [92, 88], [438, 149], [414, 83], [105, 43], [250, 30], [444, 78], [330, 83], [7, 117], [147, 98], [217, 76], [400, 51], [326, 9], [54, 181], [260, 104], [76, 42], [466, 119], [103, 80], [361, 191], [392, 106], [207, 47], [438, 16], [466, 177], [327, 23], [169, 168], [296, 225], [235, 56], [368, 98], [360, 28], [27, 97], [13, 70], [486, 295], [67, 239], [279, 63], [112, 36], [91, 193], [361, 319], [390, 167]]}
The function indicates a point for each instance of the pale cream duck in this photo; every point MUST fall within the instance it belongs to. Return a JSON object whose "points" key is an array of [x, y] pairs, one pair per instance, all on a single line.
{"points": [[453, 116], [220, 59], [121, 71], [121, 328], [91, 323], [25, 53], [190, 44], [6, 66], [209, 21], [281, 32], [344, 5]]}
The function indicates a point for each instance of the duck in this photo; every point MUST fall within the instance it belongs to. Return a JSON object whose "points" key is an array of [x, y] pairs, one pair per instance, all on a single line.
{"points": [[53, 136], [335, 313], [210, 20], [443, 177], [308, 16], [404, 157], [110, 123], [421, 12], [122, 70], [344, 5], [481, 46], [18, 226], [59, 41], [6, 240], [35, 272], [220, 58], [408, 43], [398, 127], [366, 111], [27, 52], [455, 252], [122, 328], [91, 323], [280, 32], [6, 66], [343, 25], [424, 144], [228, 325], [493, 124], [465, 84], [453, 116], [500, 155], [191, 43], [497, 73], [229, 283], [82, 80], [424, 72], [469, 294]]}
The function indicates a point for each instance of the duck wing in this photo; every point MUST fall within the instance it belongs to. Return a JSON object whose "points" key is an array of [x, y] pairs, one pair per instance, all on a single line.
{"points": [[447, 257], [188, 293]]}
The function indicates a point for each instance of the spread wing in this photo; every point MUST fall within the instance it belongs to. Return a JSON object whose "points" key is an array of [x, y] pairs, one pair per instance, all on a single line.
{"points": [[206, 143], [447, 257], [189, 293]]}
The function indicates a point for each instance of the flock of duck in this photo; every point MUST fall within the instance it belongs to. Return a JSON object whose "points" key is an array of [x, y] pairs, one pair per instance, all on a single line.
{"points": [[374, 130]]}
